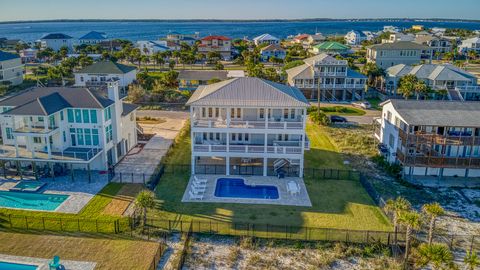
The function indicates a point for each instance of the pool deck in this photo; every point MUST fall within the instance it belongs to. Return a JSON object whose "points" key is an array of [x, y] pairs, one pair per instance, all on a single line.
{"points": [[285, 198], [80, 191], [42, 264]]}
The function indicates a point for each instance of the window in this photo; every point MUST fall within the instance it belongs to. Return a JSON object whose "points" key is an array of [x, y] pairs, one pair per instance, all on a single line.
{"points": [[78, 116], [217, 112], [234, 136], [88, 137], [391, 141], [108, 133], [203, 112], [292, 113], [81, 78], [204, 136], [9, 132], [217, 136], [211, 136], [93, 116], [80, 138], [107, 113], [232, 112], [37, 139], [95, 139], [210, 112], [261, 114], [70, 116], [61, 115], [239, 113], [64, 136], [86, 116], [285, 113]]}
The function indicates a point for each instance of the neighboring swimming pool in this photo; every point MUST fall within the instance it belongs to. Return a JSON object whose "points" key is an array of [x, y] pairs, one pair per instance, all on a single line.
{"points": [[31, 201], [236, 188], [16, 266]]}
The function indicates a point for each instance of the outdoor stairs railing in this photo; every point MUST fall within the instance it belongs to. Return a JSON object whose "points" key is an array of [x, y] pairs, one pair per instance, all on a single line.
{"points": [[280, 163], [455, 95], [140, 129]]}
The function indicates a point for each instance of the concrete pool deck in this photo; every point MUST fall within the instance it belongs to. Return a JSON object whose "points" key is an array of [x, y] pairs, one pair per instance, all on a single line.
{"points": [[42, 264], [285, 198], [80, 191]]}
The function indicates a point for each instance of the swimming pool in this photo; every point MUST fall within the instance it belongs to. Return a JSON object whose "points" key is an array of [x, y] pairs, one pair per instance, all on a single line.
{"points": [[236, 188], [16, 266], [28, 186], [31, 201]]}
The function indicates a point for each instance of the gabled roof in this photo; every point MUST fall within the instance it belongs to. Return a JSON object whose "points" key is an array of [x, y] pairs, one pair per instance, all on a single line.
{"points": [[319, 58], [359, 33], [331, 46], [4, 56], [444, 72], [47, 100], [400, 45], [95, 35], [272, 47], [57, 36], [438, 113], [300, 72], [128, 108], [215, 37], [246, 92], [265, 37], [107, 67]]}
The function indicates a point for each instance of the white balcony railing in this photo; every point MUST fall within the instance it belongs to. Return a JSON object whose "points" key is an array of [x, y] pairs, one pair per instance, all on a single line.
{"points": [[468, 88], [258, 149], [248, 124]]}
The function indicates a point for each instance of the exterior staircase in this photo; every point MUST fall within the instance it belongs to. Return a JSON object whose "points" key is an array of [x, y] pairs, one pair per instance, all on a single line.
{"points": [[455, 95], [279, 164], [139, 129]]}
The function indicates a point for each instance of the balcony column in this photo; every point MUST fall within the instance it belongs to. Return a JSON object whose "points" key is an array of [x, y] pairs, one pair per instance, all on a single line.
{"points": [[193, 164], [49, 150], [265, 161], [227, 165], [30, 143], [229, 116], [16, 145], [45, 124]]}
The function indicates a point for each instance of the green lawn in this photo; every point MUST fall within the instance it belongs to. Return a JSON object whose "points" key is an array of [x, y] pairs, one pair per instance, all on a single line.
{"points": [[93, 210], [337, 204]]}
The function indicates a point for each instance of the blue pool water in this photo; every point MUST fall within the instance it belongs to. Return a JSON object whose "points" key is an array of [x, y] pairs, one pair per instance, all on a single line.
{"points": [[236, 188], [31, 201], [16, 266]]}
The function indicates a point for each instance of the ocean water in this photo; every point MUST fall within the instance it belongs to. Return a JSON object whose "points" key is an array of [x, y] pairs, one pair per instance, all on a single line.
{"points": [[148, 30]]}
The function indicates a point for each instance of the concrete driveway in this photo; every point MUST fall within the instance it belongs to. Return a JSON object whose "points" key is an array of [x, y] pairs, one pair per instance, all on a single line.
{"points": [[144, 160]]}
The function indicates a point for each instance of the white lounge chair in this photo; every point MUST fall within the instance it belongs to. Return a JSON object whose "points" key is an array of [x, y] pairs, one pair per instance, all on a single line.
{"points": [[199, 185], [293, 188], [199, 180], [195, 196], [198, 190]]}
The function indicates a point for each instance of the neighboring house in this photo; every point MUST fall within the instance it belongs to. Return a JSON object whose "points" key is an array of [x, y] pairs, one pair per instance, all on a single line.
{"points": [[28, 55], [9, 44], [418, 27], [180, 38], [11, 68], [439, 45], [471, 44], [391, 29], [192, 79], [68, 127], [460, 84], [396, 37], [150, 47], [308, 40], [266, 39], [370, 35], [438, 31], [100, 73], [403, 52], [93, 38], [56, 41], [355, 38], [335, 80], [272, 50], [220, 44], [432, 140], [331, 47], [248, 122], [111, 45]]}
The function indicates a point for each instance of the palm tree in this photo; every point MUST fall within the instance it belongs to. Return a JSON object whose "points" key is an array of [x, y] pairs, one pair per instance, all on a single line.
{"points": [[144, 201], [471, 55], [421, 89], [438, 256], [471, 260], [413, 221], [396, 207], [406, 85], [432, 210]]}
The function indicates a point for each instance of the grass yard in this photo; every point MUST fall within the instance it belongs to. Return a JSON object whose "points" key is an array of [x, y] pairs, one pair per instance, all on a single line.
{"points": [[339, 204], [106, 253], [108, 205]]}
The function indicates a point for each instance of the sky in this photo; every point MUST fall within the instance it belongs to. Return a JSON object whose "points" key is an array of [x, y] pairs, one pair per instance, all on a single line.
{"points": [[236, 9]]}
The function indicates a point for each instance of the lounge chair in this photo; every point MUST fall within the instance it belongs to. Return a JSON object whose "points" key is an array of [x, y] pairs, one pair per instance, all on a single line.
{"points": [[293, 188], [199, 185], [199, 180], [55, 263], [198, 190], [195, 196]]}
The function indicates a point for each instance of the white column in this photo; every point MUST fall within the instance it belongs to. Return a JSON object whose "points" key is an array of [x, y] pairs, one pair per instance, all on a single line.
{"points": [[229, 116], [193, 164], [192, 139], [227, 165], [265, 160], [16, 145], [49, 150]]}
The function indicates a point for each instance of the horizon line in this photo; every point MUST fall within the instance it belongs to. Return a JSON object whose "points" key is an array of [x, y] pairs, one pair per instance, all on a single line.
{"points": [[244, 20]]}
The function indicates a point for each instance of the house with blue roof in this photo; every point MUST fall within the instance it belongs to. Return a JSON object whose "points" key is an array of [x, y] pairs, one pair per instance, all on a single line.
{"points": [[56, 41], [150, 47], [93, 37], [11, 68]]}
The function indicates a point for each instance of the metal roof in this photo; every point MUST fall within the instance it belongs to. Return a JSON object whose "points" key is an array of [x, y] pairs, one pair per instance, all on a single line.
{"points": [[248, 92], [265, 37], [107, 67], [57, 36], [444, 72], [272, 47], [438, 113], [400, 45], [128, 108], [95, 35], [48, 100]]}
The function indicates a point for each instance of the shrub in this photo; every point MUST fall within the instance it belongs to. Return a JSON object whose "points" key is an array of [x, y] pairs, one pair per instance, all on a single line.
{"points": [[320, 118], [392, 169]]}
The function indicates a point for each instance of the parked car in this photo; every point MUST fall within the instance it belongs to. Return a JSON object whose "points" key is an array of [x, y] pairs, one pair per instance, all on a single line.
{"points": [[338, 119], [362, 104]]}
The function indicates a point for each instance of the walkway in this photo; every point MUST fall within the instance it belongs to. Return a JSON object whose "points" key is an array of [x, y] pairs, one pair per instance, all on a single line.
{"points": [[145, 160]]}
